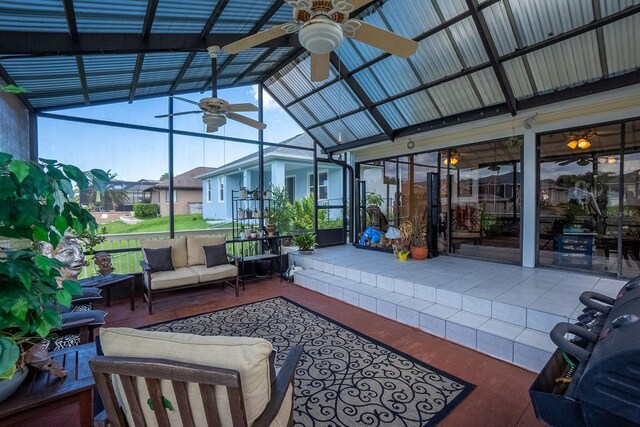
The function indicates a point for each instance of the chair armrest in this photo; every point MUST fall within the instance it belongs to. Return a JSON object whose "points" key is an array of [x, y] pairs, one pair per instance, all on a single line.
{"points": [[145, 266], [279, 388], [101, 420]]}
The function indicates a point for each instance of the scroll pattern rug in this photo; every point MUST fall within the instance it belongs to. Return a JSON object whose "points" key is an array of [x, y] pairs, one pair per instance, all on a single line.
{"points": [[344, 378]]}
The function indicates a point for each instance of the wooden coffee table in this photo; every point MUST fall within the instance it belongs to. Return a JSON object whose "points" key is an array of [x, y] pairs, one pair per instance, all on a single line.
{"points": [[49, 401], [107, 282]]}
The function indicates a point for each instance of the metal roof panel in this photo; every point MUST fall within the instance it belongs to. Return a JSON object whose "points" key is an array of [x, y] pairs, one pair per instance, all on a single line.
{"points": [[518, 79], [455, 97], [500, 28], [568, 63], [114, 16], [410, 110], [40, 15], [622, 45]]}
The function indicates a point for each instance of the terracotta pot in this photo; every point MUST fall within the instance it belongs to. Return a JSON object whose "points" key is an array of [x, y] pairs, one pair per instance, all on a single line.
{"points": [[419, 252]]}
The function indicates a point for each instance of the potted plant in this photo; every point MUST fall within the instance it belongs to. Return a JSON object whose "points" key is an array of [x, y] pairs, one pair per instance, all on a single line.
{"points": [[306, 242], [267, 194], [255, 194], [242, 193], [418, 247], [271, 223], [37, 205]]}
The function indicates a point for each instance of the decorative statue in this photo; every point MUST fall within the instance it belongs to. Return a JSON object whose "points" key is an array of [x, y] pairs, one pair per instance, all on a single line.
{"points": [[68, 252], [102, 262]]}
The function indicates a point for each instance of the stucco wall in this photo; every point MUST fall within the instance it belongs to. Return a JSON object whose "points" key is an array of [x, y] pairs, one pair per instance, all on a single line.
{"points": [[14, 127], [181, 206]]}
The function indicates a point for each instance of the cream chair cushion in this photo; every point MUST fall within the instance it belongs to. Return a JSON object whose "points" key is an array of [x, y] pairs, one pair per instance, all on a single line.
{"points": [[195, 244], [217, 272], [249, 356], [183, 276], [178, 249]]}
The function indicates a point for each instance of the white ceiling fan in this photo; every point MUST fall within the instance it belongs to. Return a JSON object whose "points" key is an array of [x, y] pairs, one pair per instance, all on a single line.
{"points": [[217, 111], [322, 25]]}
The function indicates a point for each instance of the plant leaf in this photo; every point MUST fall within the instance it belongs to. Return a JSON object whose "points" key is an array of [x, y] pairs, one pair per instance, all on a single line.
{"points": [[20, 308], [20, 169], [72, 287], [60, 223], [43, 263], [63, 297], [9, 353]]}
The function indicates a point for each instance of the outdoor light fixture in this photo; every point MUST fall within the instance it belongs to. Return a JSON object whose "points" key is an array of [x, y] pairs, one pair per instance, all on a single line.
{"points": [[610, 160], [572, 144]]}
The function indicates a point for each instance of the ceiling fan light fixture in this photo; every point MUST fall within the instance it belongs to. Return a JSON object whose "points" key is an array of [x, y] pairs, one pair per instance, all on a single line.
{"points": [[611, 160], [214, 120], [583, 143], [573, 143], [320, 36]]}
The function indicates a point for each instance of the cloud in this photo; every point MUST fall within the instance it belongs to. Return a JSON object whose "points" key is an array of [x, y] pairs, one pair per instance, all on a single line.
{"points": [[268, 102]]}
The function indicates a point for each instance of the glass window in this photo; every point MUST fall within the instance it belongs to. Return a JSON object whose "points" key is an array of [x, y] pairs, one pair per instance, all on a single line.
{"points": [[221, 189], [323, 185], [209, 191], [166, 196], [579, 200]]}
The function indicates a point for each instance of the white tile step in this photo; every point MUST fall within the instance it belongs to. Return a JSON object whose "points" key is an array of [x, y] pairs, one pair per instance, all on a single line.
{"points": [[504, 336]]}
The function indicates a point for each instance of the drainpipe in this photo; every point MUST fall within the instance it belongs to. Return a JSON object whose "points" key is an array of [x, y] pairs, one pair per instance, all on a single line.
{"points": [[348, 167]]}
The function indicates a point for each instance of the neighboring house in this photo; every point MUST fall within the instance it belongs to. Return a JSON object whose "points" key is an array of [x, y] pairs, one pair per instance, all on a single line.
{"points": [[187, 192], [119, 195], [283, 167]]}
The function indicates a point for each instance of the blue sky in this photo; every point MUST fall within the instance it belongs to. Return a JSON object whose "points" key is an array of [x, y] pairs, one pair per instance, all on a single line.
{"points": [[134, 155]]}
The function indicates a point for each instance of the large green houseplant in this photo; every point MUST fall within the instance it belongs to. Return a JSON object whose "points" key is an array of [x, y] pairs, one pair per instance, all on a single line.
{"points": [[36, 205]]}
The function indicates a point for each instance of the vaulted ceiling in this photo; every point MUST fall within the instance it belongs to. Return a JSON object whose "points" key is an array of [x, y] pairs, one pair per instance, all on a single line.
{"points": [[476, 59]]}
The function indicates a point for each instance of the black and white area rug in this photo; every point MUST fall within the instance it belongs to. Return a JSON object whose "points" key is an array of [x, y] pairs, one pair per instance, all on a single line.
{"points": [[344, 378]]}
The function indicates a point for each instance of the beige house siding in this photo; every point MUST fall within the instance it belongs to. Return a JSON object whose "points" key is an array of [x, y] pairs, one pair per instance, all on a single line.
{"points": [[181, 206]]}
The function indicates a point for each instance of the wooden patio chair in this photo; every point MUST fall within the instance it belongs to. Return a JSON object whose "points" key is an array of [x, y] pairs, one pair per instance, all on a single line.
{"points": [[137, 378]]}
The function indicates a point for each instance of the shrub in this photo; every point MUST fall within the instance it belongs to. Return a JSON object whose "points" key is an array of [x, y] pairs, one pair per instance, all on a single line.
{"points": [[145, 210]]}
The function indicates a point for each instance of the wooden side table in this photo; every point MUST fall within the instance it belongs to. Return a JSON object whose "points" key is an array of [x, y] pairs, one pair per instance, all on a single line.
{"points": [[46, 400], [107, 282]]}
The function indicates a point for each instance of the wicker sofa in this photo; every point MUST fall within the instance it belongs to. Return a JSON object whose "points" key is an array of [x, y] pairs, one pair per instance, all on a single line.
{"points": [[190, 269]]}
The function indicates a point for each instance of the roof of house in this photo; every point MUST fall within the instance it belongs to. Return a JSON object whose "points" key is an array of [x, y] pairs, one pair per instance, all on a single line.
{"points": [[284, 150], [186, 181]]}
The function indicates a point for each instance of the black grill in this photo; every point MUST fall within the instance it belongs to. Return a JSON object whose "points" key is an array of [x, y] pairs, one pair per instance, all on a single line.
{"points": [[593, 379]]}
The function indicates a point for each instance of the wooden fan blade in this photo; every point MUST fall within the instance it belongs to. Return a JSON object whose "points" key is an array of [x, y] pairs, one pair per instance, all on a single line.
{"points": [[320, 66], [178, 114], [242, 107], [185, 100], [385, 40], [255, 40], [246, 120], [360, 3]]}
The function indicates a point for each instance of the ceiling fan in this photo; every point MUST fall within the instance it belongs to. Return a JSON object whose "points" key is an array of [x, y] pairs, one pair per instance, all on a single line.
{"points": [[322, 25], [217, 111]]}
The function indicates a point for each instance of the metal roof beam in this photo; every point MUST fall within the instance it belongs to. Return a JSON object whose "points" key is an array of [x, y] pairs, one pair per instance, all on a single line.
{"points": [[136, 77], [208, 26], [257, 27], [492, 53], [361, 95], [9, 80], [83, 80], [496, 110], [70, 14], [253, 66], [152, 7], [20, 44], [624, 13], [295, 119]]}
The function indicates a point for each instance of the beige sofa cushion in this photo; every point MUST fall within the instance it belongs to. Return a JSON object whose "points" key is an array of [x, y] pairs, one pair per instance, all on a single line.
{"points": [[195, 244], [249, 356], [217, 272], [178, 249], [173, 279]]}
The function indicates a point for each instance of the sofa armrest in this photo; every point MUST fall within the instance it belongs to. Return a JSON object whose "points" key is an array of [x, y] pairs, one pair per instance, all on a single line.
{"points": [[279, 388], [145, 266]]}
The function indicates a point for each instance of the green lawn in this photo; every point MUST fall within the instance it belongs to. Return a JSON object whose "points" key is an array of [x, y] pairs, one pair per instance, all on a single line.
{"points": [[182, 222]]}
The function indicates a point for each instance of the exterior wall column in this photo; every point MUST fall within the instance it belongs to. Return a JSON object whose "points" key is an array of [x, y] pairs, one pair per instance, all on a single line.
{"points": [[529, 199], [277, 174]]}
